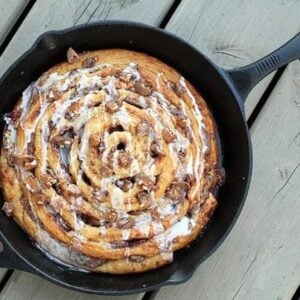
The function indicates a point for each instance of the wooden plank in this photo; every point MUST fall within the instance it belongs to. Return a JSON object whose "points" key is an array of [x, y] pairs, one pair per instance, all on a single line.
{"points": [[9, 13], [260, 257], [24, 286], [236, 33], [2, 273], [47, 15]]}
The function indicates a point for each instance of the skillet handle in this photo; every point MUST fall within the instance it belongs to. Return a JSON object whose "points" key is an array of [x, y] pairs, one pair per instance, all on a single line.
{"points": [[245, 78]]}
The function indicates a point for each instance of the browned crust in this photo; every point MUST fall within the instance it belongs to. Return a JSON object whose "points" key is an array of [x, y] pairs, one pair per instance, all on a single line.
{"points": [[15, 192]]}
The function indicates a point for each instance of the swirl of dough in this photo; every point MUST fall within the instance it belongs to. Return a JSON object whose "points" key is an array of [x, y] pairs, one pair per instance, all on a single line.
{"points": [[109, 162]]}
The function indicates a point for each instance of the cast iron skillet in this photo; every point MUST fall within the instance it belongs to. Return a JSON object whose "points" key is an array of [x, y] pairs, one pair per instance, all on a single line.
{"points": [[224, 91]]}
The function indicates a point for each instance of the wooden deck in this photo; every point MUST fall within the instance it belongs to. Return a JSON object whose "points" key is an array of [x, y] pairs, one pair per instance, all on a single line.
{"points": [[260, 259]]}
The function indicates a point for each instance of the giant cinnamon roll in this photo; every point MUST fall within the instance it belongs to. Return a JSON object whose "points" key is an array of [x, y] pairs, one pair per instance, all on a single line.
{"points": [[109, 162]]}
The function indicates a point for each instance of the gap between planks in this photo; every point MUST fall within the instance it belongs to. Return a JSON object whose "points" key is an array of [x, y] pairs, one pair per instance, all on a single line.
{"points": [[219, 52], [83, 11]]}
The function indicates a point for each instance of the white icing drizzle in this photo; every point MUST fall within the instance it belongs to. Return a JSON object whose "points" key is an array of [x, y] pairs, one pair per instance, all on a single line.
{"points": [[168, 256], [143, 223], [102, 231], [198, 114], [199, 158], [125, 234], [111, 89], [10, 134], [26, 99], [159, 110], [122, 117], [56, 251], [44, 145], [181, 228], [117, 199], [132, 71], [84, 147], [53, 78]]}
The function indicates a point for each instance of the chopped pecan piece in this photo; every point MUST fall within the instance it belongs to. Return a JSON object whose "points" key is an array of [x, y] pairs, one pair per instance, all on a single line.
{"points": [[142, 88], [137, 101], [95, 140], [112, 106], [106, 171], [177, 191], [61, 141], [181, 120], [72, 55], [70, 190], [32, 184], [174, 110], [217, 175], [71, 115], [8, 208], [48, 180], [145, 182], [89, 62], [76, 245], [156, 149], [168, 135], [54, 94], [110, 216], [178, 89], [27, 161], [190, 179], [95, 262], [101, 147], [42, 199], [182, 153], [100, 195], [144, 199], [16, 114], [61, 222], [124, 184], [124, 159], [143, 128], [137, 258], [125, 223], [155, 214]]}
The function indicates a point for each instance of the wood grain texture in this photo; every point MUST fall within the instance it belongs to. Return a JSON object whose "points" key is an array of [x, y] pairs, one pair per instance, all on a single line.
{"points": [[9, 13], [2, 273], [236, 33], [260, 257], [56, 14]]}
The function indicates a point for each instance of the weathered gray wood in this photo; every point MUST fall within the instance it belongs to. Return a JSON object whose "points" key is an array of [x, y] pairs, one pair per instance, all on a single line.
{"points": [[23, 286], [2, 273], [9, 12], [56, 14], [236, 33], [260, 258]]}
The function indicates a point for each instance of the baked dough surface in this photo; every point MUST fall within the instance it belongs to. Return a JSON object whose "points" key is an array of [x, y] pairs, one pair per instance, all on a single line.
{"points": [[109, 162]]}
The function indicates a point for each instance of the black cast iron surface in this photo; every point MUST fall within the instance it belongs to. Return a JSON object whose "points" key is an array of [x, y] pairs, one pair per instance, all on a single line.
{"points": [[224, 91]]}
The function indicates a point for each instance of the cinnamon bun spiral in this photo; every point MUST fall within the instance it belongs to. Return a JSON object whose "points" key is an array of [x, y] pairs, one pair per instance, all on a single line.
{"points": [[109, 162]]}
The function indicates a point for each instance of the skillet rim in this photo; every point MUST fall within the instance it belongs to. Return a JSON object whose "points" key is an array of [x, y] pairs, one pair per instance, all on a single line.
{"points": [[180, 275]]}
